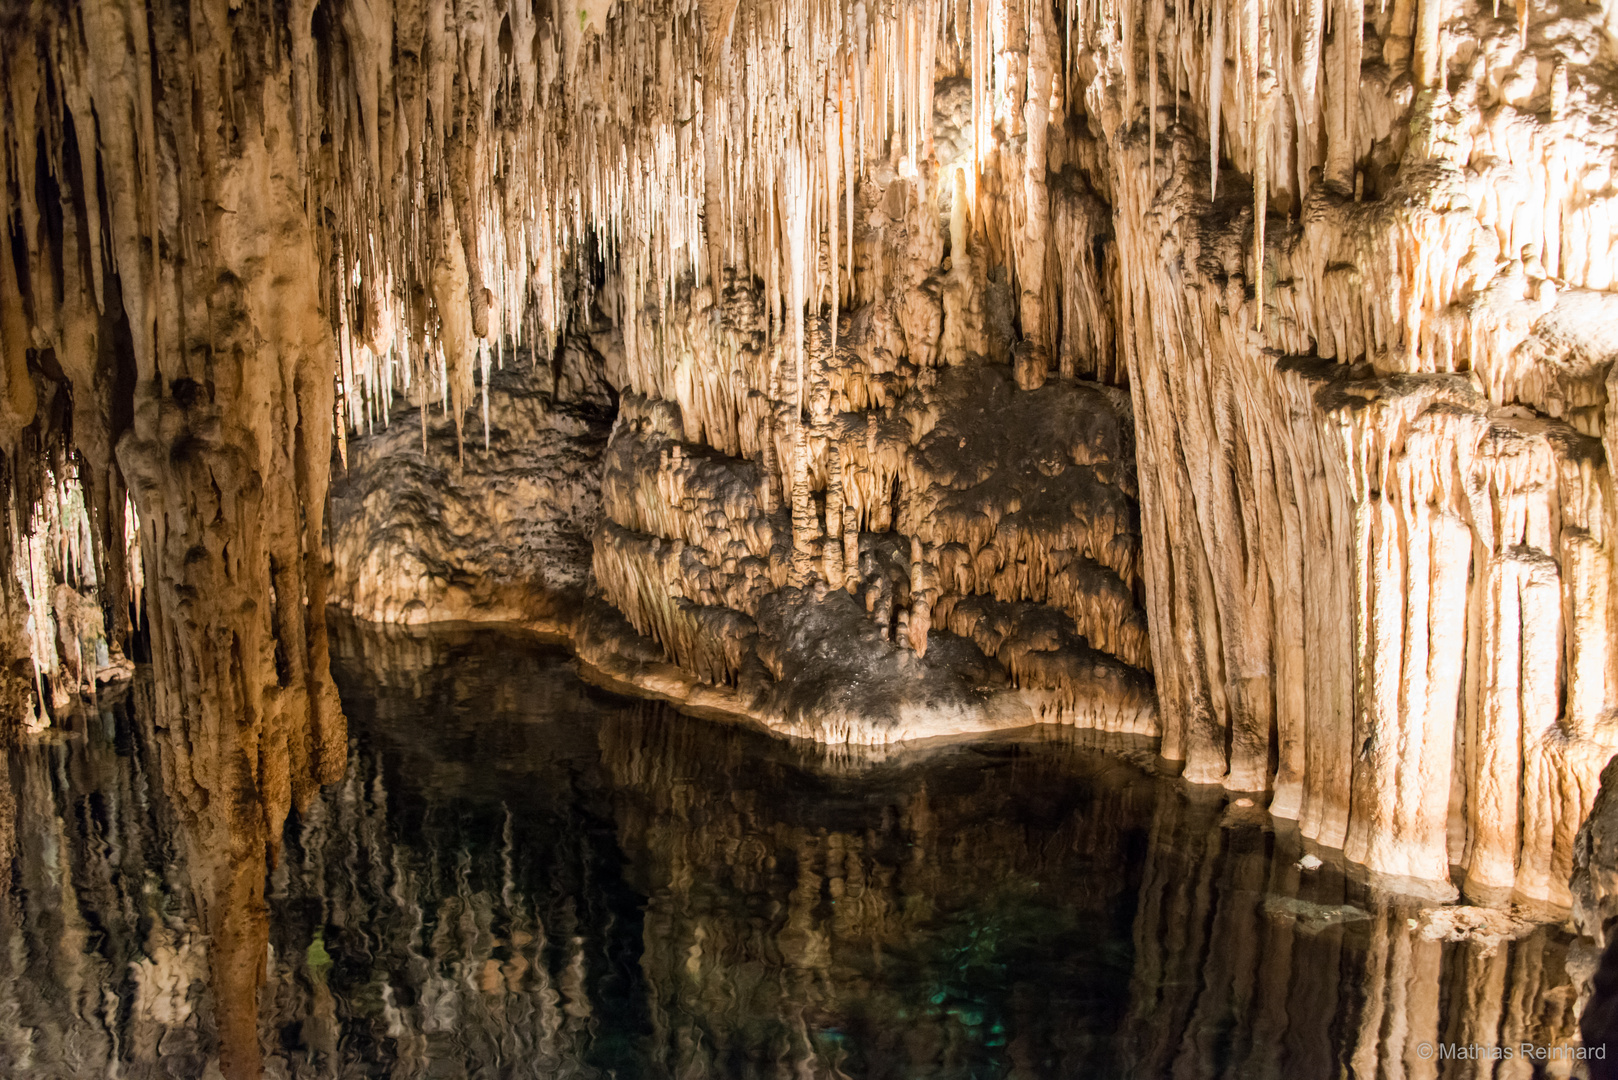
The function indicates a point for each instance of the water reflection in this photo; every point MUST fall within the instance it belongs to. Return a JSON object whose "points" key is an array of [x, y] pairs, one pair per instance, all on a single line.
{"points": [[519, 876], [103, 963]]}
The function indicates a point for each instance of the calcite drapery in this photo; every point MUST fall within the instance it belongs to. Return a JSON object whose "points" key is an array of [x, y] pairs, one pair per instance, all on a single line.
{"points": [[1441, 479]]}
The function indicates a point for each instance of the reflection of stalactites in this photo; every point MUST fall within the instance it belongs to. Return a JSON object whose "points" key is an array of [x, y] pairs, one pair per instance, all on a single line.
{"points": [[705, 817], [472, 971], [99, 947], [1225, 916], [239, 937], [52, 876], [227, 858], [8, 818]]}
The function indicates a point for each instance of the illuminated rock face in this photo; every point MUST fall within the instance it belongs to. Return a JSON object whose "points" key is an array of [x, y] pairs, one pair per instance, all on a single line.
{"points": [[953, 554], [1389, 572], [503, 533], [1229, 372], [1368, 421], [162, 289]]}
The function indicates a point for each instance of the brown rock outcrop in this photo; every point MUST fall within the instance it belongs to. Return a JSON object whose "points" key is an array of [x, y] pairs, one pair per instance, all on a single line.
{"points": [[499, 531], [972, 521]]}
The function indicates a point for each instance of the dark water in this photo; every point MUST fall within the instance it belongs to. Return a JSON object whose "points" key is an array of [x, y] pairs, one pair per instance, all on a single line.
{"points": [[521, 876]]}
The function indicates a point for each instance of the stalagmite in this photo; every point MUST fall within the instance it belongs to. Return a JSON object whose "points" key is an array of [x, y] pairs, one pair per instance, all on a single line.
{"points": [[834, 551], [921, 602]]}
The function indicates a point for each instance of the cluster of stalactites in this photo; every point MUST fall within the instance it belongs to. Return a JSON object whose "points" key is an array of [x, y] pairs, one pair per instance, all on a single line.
{"points": [[461, 160], [468, 159], [699, 143], [55, 639], [53, 554], [466, 162]]}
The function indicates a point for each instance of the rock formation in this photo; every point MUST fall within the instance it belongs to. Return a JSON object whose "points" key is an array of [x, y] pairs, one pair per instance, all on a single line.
{"points": [[1231, 373], [500, 533], [957, 555], [162, 279]]}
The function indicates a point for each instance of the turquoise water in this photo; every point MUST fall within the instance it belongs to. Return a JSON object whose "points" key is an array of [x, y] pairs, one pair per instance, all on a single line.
{"points": [[521, 876]]}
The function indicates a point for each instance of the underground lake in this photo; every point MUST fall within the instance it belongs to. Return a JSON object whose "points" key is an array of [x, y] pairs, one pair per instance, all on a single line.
{"points": [[520, 875]]}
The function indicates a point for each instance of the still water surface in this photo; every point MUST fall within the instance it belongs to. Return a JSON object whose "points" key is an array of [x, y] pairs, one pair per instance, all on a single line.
{"points": [[521, 876]]}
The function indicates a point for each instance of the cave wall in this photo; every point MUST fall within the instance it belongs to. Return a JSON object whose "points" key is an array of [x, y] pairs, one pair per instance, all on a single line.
{"points": [[1442, 479], [497, 532], [927, 548], [163, 283]]}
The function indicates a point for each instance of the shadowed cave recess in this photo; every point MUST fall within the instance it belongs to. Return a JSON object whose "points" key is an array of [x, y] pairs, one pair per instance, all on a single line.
{"points": [[1225, 385]]}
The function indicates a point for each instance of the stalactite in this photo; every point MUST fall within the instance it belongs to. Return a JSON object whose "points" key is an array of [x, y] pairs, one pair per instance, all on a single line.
{"points": [[1427, 59], [1031, 246], [834, 154], [1154, 33], [1216, 95], [1265, 91]]}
